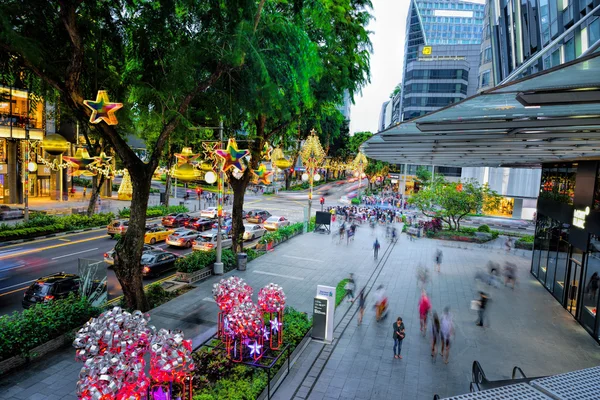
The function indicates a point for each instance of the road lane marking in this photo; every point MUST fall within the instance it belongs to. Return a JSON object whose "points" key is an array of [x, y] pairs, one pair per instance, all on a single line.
{"points": [[55, 238], [302, 258], [65, 240], [10, 251], [280, 275], [2, 257], [74, 254], [18, 284]]}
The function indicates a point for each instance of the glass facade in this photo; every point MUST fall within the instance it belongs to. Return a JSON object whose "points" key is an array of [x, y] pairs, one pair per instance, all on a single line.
{"points": [[459, 88], [437, 74], [558, 183]]}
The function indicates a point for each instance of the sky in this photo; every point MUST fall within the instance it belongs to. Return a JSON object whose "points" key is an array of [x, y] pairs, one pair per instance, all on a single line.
{"points": [[387, 35]]}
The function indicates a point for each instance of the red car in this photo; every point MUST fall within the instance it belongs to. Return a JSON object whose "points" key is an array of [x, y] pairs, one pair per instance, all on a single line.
{"points": [[175, 220], [199, 224]]}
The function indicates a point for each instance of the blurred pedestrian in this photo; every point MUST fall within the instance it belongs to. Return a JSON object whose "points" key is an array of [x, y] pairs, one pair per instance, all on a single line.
{"points": [[510, 274], [349, 287], [380, 303], [362, 299], [435, 333], [483, 299], [84, 192], [398, 336], [508, 244], [592, 286], [376, 247], [438, 260], [446, 332], [424, 307]]}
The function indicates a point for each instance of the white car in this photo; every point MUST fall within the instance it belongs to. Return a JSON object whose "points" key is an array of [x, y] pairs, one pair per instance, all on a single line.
{"points": [[182, 238], [275, 222], [210, 212], [253, 231], [208, 241]]}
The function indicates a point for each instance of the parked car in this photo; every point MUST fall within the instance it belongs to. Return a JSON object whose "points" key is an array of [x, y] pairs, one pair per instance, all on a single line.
{"points": [[210, 212], [275, 222], [156, 262], [208, 241], [253, 231], [117, 227], [109, 256], [182, 238], [157, 234], [53, 287], [175, 220], [258, 216], [199, 224], [7, 212]]}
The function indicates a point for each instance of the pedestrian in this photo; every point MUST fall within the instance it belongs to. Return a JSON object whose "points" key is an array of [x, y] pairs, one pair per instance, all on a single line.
{"points": [[508, 244], [446, 332], [483, 299], [424, 307], [592, 287], [438, 260], [84, 192], [398, 336], [349, 287], [510, 274], [435, 333], [380, 303], [376, 247], [362, 299]]}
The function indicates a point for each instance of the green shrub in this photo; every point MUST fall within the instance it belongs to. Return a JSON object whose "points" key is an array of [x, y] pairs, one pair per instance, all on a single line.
{"points": [[20, 332], [229, 260], [155, 211], [296, 325], [252, 254], [484, 228], [355, 201], [526, 242], [195, 261], [340, 292], [468, 231], [430, 234], [46, 224]]}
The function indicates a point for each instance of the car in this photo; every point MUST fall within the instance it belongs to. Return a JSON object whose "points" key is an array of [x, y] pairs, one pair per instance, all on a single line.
{"points": [[253, 231], [175, 220], [157, 234], [7, 212], [117, 227], [275, 222], [52, 287], [208, 241], [226, 226], [199, 224], [156, 262], [182, 238], [258, 216], [210, 212], [109, 256]]}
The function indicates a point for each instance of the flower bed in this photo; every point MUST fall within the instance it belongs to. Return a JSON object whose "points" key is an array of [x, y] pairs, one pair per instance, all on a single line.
{"points": [[217, 377], [155, 211], [464, 235], [200, 260], [272, 239], [42, 224]]}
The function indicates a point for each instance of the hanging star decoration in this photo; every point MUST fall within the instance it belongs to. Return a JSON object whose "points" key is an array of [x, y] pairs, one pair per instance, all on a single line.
{"points": [[254, 348], [103, 109], [266, 334], [231, 156], [186, 156], [262, 175], [210, 155], [80, 163], [101, 165], [266, 152]]}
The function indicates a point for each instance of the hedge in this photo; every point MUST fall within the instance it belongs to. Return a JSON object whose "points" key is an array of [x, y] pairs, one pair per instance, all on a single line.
{"points": [[199, 260], [282, 233], [41, 225], [155, 211], [20, 332], [340, 291], [525, 243]]}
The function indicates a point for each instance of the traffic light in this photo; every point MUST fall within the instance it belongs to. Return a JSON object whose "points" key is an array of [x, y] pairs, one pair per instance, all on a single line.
{"points": [[199, 191], [322, 200]]}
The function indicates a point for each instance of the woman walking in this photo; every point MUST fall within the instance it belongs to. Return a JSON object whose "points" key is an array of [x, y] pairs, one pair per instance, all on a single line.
{"points": [[446, 332], [362, 299], [424, 307], [435, 333]]}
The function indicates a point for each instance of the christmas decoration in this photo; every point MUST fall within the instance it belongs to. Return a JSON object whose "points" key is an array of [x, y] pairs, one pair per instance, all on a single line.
{"points": [[103, 109], [271, 301], [266, 152], [186, 172], [125, 190], [231, 157], [80, 162], [186, 156], [262, 175], [54, 144], [312, 155]]}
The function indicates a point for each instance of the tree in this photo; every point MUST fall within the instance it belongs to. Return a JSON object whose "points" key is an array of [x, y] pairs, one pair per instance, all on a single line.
{"points": [[451, 201], [156, 57], [423, 176], [397, 90]]}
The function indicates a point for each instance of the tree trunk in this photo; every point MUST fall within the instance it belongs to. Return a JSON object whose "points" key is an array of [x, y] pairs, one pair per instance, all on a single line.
{"points": [[237, 221], [97, 183], [129, 248], [167, 188]]}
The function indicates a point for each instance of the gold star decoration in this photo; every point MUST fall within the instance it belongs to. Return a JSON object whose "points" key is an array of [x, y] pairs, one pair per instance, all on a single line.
{"points": [[103, 109]]}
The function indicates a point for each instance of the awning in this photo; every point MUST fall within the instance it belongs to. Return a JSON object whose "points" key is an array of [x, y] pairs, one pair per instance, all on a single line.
{"points": [[548, 117]]}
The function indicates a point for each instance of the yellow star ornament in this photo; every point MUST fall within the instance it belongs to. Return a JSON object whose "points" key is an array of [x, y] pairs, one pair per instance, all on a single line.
{"points": [[103, 109], [262, 175]]}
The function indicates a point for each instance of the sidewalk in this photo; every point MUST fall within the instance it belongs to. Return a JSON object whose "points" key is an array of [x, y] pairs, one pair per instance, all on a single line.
{"points": [[528, 327]]}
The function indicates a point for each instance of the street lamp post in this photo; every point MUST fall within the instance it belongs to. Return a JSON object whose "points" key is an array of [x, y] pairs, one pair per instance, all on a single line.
{"points": [[218, 267], [312, 155], [360, 163]]}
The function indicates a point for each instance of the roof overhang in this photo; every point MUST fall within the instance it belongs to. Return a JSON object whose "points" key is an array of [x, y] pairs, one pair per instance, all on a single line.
{"points": [[548, 117]]}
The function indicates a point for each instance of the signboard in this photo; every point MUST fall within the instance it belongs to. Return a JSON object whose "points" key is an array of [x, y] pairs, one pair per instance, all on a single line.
{"points": [[579, 217], [43, 170], [327, 294], [319, 318], [426, 51]]}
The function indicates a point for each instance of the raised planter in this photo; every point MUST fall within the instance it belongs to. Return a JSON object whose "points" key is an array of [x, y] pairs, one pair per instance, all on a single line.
{"points": [[193, 276], [18, 361]]}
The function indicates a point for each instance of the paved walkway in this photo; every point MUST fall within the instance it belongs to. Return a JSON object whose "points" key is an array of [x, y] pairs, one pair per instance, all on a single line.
{"points": [[528, 327]]}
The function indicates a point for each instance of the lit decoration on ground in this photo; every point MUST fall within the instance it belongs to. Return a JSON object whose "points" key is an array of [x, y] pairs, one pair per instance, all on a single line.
{"points": [[103, 109], [113, 347], [246, 325], [312, 155], [271, 301], [231, 156], [227, 294], [125, 190], [262, 175]]}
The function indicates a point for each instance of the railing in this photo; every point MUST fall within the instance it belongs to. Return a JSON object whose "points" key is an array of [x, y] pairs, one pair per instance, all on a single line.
{"points": [[514, 373]]}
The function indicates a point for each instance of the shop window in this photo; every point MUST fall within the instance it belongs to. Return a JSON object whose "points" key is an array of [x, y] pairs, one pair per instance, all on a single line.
{"points": [[552, 256], [558, 183], [569, 49], [592, 283], [597, 191], [562, 258], [542, 244]]}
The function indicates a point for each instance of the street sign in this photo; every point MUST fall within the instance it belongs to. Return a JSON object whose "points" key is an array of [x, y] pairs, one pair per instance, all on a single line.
{"points": [[319, 330], [324, 294]]}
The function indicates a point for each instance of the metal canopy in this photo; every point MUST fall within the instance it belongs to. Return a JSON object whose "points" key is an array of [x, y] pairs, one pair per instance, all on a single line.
{"points": [[497, 128]]}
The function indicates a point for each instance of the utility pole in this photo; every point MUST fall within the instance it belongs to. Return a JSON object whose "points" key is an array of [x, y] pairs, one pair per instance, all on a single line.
{"points": [[218, 267], [26, 194]]}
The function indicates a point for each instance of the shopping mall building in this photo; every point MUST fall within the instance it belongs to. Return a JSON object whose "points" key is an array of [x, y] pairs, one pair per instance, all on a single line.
{"points": [[548, 120]]}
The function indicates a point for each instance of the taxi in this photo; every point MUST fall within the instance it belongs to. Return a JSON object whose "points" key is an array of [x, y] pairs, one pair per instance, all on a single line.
{"points": [[157, 234]]}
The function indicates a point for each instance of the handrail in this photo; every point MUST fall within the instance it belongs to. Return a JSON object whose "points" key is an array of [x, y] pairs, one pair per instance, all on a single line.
{"points": [[436, 397], [514, 372], [474, 387], [477, 374]]}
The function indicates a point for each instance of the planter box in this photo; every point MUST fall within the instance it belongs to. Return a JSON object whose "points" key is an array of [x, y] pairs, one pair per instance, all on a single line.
{"points": [[193, 276], [35, 353]]}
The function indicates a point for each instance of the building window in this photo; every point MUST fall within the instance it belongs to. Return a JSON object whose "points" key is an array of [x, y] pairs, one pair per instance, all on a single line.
{"points": [[569, 49], [594, 32], [486, 55], [558, 183], [485, 79]]}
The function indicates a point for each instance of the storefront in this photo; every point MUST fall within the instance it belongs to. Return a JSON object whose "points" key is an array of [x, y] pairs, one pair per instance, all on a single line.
{"points": [[566, 255]]}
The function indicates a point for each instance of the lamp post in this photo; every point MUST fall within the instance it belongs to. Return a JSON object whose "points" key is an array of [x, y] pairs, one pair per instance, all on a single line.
{"points": [[218, 266], [312, 155], [360, 162]]}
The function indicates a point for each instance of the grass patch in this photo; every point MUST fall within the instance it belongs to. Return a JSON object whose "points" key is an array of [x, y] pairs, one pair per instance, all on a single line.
{"points": [[340, 292]]}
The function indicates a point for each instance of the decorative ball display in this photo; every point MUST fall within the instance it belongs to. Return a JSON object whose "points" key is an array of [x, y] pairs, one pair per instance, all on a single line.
{"points": [[230, 292], [317, 177], [210, 177], [246, 320], [271, 298], [186, 172], [282, 163], [55, 144]]}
